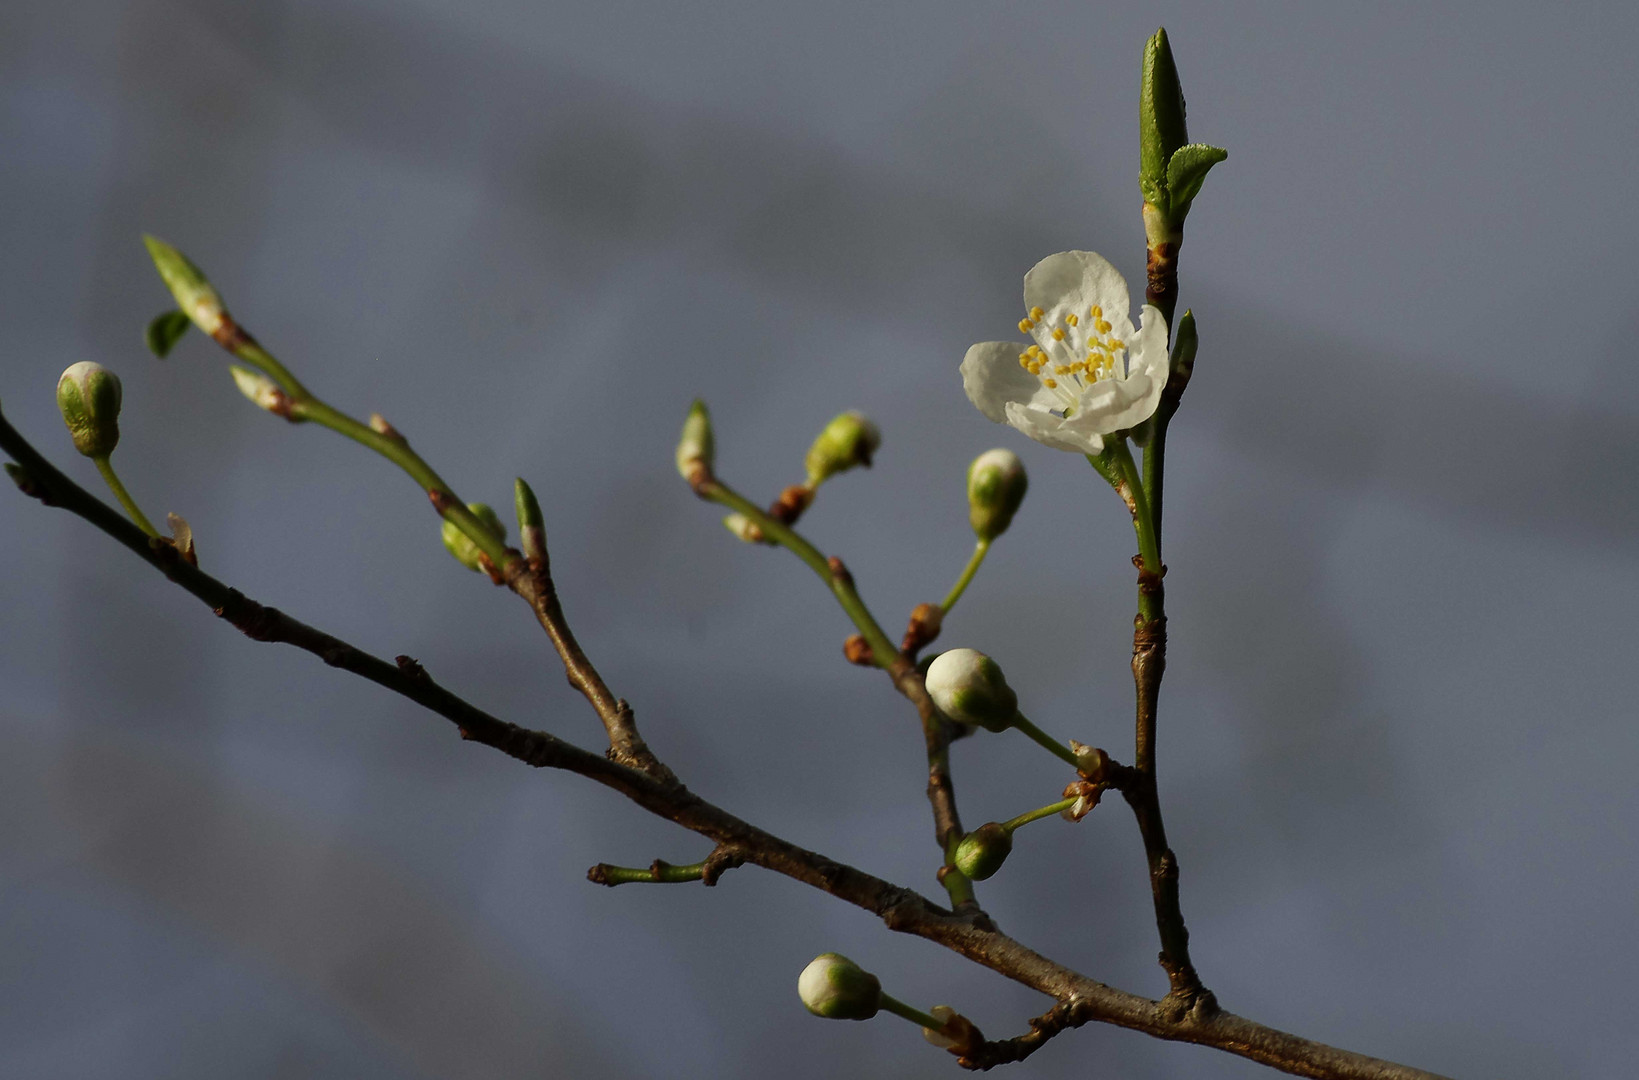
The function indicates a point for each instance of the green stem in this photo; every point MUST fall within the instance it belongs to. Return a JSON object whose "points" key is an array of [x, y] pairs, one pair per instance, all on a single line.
{"points": [[980, 550], [1037, 814], [252, 353], [660, 873], [106, 467], [956, 883], [1059, 749], [915, 1016], [1155, 465], [1149, 541], [885, 652]]}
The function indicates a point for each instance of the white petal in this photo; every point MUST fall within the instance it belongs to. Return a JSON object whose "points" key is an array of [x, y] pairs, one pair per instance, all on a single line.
{"points": [[1050, 430], [1147, 349], [1072, 282], [992, 377]]}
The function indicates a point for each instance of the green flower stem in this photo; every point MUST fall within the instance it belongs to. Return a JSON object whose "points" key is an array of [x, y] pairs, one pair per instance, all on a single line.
{"points": [[659, 873], [1155, 465], [251, 352], [106, 467], [980, 550], [1149, 540], [1059, 749], [883, 649], [305, 406], [915, 1016], [1037, 814]]}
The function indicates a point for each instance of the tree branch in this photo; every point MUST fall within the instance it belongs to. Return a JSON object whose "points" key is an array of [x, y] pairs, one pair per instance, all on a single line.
{"points": [[900, 909]]}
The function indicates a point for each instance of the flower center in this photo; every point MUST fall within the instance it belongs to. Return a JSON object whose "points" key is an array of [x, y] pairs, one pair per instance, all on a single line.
{"points": [[1073, 355]]}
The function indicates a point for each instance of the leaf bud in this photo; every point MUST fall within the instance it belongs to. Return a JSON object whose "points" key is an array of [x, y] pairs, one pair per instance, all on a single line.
{"points": [[996, 485], [982, 851], [1161, 127], [969, 687], [262, 391], [531, 525], [848, 440], [744, 528], [194, 295], [697, 448], [836, 988], [89, 396], [459, 545]]}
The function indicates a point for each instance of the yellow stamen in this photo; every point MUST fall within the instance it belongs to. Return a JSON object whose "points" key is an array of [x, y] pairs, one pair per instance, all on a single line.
{"points": [[1073, 319], [1103, 327], [1025, 325], [1058, 333], [1051, 384], [1036, 313]]}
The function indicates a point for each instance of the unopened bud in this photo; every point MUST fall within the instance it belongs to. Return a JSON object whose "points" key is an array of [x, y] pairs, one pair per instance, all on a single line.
{"points": [[1091, 762], [263, 392], [697, 448], [89, 396], [458, 544], [995, 487], [848, 440], [836, 988], [744, 528], [982, 851], [923, 626], [195, 297], [531, 525], [969, 687]]}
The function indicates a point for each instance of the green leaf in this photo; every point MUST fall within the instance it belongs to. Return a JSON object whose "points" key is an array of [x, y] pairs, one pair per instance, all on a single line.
{"points": [[165, 331], [1161, 129], [1186, 171]]}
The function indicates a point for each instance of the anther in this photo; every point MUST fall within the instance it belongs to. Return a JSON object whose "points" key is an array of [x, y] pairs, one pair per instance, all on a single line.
{"points": [[1036, 313]]}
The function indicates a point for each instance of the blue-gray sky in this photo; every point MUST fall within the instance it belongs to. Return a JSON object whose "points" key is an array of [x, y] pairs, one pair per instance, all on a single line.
{"points": [[1398, 730]]}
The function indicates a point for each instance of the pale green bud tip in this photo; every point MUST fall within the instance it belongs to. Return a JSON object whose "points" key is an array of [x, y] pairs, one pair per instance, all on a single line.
{"points": [[848, 440], [982, 851], [836, 988], [262, 391], [194, 295], [744, 528], [459, 545], [89, 396], [969, 687], [697, 448], [996, 485], [531, 525], [1185, 340]]}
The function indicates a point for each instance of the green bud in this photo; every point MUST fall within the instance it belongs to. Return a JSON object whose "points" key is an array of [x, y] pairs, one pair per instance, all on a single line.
{"points": [[995, 487], [531, 526], [969, 687], [89, 396], [1161, 128], [697, 448], [1185, 340], [836, 988], [193, 292], [982, 851], [263, 392], [848, 440], [465, 551], [744, 528]]}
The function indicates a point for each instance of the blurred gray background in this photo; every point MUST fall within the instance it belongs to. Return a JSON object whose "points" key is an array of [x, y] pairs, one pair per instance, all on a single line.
{"points": [[1398, 734]]}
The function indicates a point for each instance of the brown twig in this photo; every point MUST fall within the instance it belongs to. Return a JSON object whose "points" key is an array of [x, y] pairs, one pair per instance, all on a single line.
{"points": [[900, 909]]}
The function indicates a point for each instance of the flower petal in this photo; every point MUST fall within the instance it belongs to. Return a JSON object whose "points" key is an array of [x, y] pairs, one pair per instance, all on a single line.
{"points": [[1074, 281], [1050, 430], [1147, 349], [992, 377]]}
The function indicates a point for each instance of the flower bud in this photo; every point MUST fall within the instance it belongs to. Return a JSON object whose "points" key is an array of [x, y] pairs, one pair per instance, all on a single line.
{"points": [[836, 988], [263, 392], [982, 851], [848, 440], [995, 487], [459, 545], [697, 448], [969, 687], [194, 295], [531, 525], [89, 396]]}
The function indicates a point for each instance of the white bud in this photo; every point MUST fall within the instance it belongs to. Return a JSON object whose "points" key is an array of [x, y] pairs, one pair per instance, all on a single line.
{"points": [[836, 988], [996, 485], [89, 396], [969, 687]]}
